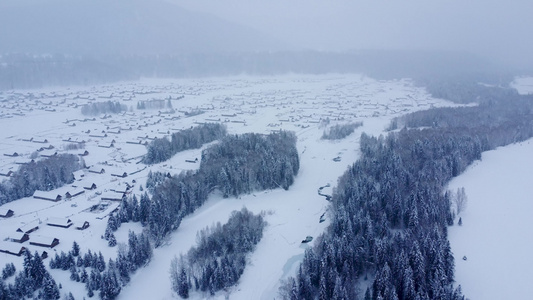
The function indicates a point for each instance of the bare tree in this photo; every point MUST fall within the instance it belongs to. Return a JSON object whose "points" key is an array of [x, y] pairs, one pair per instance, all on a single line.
{"points": [[460, 200]]}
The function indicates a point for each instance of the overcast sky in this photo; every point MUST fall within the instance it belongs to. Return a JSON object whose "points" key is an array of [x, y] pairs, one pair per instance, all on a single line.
{"points": [[493, 28]]}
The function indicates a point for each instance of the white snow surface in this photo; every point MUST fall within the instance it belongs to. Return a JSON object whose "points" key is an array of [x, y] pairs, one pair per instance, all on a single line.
{"points": [[495, 236], [257, 104], [524, 85]]}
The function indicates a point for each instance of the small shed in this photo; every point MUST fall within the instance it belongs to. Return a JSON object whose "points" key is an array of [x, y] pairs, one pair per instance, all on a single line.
{"points": [[44, 195], [6, 213], [12, 248], [112, 196], [84, 226], [40, 141], [120, 174], [19, 237], [11, 154], [90, 186], [121, 189], [24, 161], [106, 145], [78, 175], [97, 170], [28, 228], [59, 222], [307, 239], [48, 153], [44, 241], [83, 153], [6, 173], [74, 192]]}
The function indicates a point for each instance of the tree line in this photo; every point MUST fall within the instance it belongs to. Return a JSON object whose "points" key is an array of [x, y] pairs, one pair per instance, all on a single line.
{"points": [[105, 278], [338, 132], [155, 104], [43, 175], [162, 149], [98, 108], [219, 259], [32, 282]]}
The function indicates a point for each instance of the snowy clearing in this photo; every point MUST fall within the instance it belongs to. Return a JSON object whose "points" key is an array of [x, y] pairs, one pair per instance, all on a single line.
{"points": [[495, 234], [524, 85]]}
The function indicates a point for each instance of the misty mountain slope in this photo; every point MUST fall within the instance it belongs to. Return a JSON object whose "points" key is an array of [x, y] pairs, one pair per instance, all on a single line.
{"points": [[123, 27]]}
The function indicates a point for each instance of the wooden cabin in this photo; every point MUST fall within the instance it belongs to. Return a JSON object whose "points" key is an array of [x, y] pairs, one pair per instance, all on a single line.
{"points": [[90, 186], [75, 192], [59, 222], [44, 241], [97, 170], [84, 226], [12, 248], [6, 213], [19, 237], [28, 228], [44, 195]]}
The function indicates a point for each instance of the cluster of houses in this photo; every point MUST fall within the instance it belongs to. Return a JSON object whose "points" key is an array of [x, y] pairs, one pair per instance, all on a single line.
{"points": [[16, 244]]}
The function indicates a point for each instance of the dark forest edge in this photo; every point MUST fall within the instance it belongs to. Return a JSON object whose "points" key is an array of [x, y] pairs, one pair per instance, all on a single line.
{"points": [[43, 175], [338, 132], [161, 149], [389, 210], [98, 108]]}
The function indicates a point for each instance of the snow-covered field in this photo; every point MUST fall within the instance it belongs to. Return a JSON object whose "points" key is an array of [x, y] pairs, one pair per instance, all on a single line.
{"points": [[495, 236], [299, 103], [524, 85]]}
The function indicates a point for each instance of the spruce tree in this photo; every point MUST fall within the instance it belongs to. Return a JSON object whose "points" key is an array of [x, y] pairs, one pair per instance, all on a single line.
{"points": [[50, 288], [183, 288], [75, 249]]}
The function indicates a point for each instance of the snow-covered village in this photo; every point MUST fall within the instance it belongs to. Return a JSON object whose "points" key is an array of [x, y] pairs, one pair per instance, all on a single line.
{"points": [[285, 150]]}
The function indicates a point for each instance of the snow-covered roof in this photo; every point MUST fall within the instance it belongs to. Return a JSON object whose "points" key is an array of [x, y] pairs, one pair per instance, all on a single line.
{"points": [[96, 169], [4, 211], [41, 239], [48, 153], [59, 221], [120, 189], [17, 235], [5, 172], [75, 191], [47, 195], [112, 196], [28, 227], [10, 247], [78, 174]]}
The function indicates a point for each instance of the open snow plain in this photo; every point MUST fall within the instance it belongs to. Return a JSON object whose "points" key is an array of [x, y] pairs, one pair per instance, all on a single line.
{"points": [[301, 103], [495, 237]]}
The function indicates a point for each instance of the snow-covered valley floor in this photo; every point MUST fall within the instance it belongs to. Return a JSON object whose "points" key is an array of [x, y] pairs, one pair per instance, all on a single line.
{"points": [[301, 103]]}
